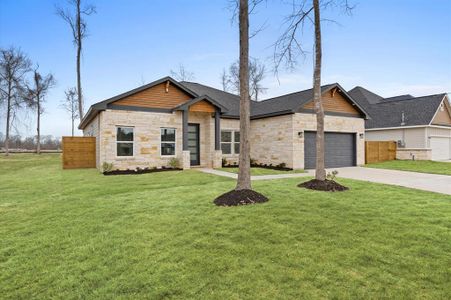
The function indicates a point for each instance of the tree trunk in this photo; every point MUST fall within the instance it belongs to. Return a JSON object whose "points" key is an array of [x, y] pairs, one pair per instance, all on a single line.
{"points": [[38, 127], [8, 120], [320, 173], [73, 121], [244, 174], [79, 45]]}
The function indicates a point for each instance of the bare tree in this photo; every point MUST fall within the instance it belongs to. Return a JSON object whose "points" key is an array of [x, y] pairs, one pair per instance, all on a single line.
{"points": [[182, 74], [224, 81], [70, 105], [257, 72], [34, 96], [288, 48], [244, 172], [78, 26], [14, 65]]}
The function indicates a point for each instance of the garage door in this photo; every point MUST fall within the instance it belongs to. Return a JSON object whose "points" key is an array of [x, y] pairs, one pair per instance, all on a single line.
{"points": [[440, 148], [340, 150]]}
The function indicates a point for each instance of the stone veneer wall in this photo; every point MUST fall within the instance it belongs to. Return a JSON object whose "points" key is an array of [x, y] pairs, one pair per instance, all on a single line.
{"points": [[409, 153], [272, 140], [146, 138], [92, 129], [307, 122]]}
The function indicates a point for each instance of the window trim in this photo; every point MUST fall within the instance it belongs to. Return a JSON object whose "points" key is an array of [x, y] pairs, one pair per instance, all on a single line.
{"points": [[175, 142], [232, 142], [126, 142]]}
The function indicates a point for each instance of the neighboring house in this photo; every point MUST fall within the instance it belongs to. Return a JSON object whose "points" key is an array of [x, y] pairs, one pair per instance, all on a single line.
{"points": [[420, 125], [199, 125]]}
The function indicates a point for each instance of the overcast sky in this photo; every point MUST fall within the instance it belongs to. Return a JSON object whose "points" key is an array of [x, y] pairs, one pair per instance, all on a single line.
{"points": [[390, 47]]}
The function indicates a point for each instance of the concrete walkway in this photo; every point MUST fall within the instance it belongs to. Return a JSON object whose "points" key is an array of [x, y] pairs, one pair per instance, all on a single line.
{"points": [[259, 177], [421, 181]]}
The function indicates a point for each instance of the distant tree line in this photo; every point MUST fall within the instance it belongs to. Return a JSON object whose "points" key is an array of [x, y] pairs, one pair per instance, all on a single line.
{"points": [[48, 142]]}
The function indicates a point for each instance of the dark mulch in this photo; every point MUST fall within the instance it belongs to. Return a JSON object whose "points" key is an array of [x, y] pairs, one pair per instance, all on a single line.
{"points": [[240, 197], [139, 171], [278, 168], [326, 185]]}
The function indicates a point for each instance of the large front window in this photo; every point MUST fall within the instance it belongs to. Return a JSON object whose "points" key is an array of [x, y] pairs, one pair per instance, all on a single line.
{"points": [[230, 142], [167, 141], [124, 141]]}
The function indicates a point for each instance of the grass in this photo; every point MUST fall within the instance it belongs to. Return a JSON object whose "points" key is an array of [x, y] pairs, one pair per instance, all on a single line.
{"points": [[262, 171], [78, 234], [422, 166]]}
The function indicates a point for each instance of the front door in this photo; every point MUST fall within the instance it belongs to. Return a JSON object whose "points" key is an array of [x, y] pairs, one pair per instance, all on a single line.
{"points": [[193, 144]]}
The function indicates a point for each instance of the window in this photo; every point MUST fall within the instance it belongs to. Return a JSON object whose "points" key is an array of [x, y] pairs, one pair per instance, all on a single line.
{"points": [[167, 141], [124, 141], [230, 141]]}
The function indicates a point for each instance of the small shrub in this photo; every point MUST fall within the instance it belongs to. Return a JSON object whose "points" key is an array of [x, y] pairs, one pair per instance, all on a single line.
{"points": [[107, 167], [253, 161], [174, 163], [224, 162], [332, 175], [282, 165]]}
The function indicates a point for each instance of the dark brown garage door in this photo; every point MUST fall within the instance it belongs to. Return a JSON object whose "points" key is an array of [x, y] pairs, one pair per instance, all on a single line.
{"points": [[340, 150]]}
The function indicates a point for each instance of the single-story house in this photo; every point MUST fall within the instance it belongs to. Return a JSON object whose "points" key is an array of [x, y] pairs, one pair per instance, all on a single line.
{"points": [[199, 125], [420, 125]]}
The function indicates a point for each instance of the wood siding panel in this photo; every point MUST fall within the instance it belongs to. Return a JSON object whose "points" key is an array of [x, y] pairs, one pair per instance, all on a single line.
{"points": [[202, 106], [377, 151], [335, 102], [443, 117], [79, 152], [156, 97]]}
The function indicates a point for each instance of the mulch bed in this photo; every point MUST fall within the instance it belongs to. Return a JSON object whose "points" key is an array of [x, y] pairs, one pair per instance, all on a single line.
{"points": [[240, 197], [261, 166], [326, 185], [139, 171]]}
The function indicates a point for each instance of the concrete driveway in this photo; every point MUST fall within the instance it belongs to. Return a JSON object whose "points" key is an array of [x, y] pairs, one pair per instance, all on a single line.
{"points": [[421, 181]]}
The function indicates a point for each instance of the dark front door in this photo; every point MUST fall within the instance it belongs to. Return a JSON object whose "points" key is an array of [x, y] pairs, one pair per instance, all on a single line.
{"points": [[193, 144], [340, 149]]}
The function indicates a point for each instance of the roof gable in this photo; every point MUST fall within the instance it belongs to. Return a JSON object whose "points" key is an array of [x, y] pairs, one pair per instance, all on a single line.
{"points": [[443, 114]]}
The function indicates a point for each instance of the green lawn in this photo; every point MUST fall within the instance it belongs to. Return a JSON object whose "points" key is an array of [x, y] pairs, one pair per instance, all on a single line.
{"points": [[78, 234], [262, 171], [422, 166]]}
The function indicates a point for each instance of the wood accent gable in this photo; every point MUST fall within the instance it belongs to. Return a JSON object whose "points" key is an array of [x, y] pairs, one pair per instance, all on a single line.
{"points": [[159, 96], [334, 101], [202, 106], [443, 117]]}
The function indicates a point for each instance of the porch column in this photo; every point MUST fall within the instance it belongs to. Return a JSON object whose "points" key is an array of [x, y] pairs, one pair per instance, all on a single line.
{"points": [[217, 131], [185, 129]]}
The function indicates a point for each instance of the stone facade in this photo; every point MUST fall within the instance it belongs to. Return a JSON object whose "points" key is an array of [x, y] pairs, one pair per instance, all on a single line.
{"points": [[274, 140], [414, 153]]}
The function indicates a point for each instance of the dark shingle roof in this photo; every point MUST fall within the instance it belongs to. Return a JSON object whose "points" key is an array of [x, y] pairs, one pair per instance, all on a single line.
{"points": [[388, 112], [229, 103], [289, 103]]}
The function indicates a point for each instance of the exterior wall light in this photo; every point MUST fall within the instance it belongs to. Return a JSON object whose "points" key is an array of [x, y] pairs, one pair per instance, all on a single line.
{"points": [[301, 134], [361, 135]]}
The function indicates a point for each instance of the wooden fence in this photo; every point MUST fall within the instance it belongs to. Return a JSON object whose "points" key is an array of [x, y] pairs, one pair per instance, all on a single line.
{"points": [[379, 151], [79, 152]]}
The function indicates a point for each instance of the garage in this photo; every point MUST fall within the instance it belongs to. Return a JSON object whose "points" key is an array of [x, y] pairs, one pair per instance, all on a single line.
{"points": [[340, 149], [441, 147]]}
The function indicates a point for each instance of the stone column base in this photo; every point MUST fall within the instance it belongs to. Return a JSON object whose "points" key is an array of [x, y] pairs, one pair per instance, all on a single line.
{"points": [[186, 161], [217, 159]]}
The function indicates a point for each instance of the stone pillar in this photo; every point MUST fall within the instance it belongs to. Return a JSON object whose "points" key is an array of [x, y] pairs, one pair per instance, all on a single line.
{"points": [[217, 130], [185, 130], [217, 159], [186, 161]]}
